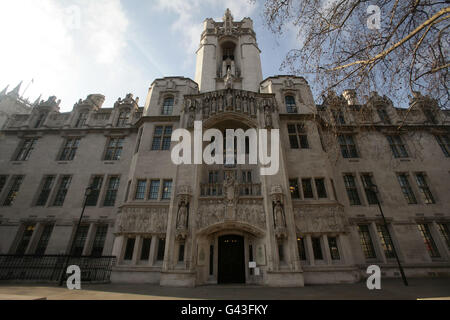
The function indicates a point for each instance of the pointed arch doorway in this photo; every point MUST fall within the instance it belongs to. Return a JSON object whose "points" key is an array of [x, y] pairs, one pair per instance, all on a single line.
{"points": [[231, 266]]}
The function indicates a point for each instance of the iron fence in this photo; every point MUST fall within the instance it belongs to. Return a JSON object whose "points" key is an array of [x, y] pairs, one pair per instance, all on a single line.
{"points": [[49, 268]]}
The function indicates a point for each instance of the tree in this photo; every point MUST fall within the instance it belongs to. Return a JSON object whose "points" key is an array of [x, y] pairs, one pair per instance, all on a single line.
{"points": [[342, 44]]}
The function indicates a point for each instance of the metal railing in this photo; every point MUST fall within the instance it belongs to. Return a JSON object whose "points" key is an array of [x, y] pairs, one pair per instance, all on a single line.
{"points": [[49, 268]]}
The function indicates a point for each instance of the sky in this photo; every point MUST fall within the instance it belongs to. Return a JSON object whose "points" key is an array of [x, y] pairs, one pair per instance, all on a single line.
{"points": [[73, 48]]}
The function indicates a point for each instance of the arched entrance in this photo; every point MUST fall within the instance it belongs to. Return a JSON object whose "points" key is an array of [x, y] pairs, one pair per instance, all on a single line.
{"points": [[231, 262]]}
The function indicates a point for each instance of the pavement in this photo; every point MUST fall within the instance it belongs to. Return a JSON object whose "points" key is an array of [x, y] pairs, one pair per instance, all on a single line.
{"points": [[391, 289]]}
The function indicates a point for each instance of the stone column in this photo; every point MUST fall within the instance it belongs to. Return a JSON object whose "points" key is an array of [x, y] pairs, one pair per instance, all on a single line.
{"points": [[309, 250], [137, 250], [89, 240], [118, 248], [326, 247], [153, 247]]}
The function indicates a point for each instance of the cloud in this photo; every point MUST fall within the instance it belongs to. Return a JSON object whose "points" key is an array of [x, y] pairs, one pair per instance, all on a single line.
{"points": [[70, 48], [191, 14]]}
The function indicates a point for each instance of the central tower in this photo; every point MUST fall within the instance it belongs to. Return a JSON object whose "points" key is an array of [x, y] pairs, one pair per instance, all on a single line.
{"points": [[228, 51]]}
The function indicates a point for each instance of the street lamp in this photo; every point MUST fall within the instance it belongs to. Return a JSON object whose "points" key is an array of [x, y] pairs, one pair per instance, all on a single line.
{"points": [[373, 188], [87, 193]]}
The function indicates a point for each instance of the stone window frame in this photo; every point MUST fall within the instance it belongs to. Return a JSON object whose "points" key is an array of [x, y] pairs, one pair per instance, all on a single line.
{"points": [[354, 188], [42, 116], [171, 189], [302, 239], [293, 190], [338, 116], [429, 241], [443, 141], [95, 239], [14, 184], [144, 192], [101, 187], [58, 190], [20, 238], [115, 147], [321, 247], [403, 186], [38, 201], [82, 118], [45, 234], [3, 182], [290, 108], [313, 194], [72, 148], [338, 247], [368, 194], [444, 231], [107, 189], [163, 136], [398, 146], [24, 150], [165, 94], [167, 109], [385, 235], [160, 250], [301, 131], [159, 194], [324, 186], [367, 245], [423, 185], [350, 147], [124, 114]]}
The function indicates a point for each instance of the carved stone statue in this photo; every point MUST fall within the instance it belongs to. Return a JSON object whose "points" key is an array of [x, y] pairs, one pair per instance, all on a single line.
{"points": [[230, 189], [278, 211], [268, 117], [182, 215], [118, 102], [229, 100], [229, 80], [191, 119], [128, 98]]}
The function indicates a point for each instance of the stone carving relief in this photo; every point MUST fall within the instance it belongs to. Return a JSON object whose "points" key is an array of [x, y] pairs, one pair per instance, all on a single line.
{"points": [[230, 100], [143, 220], [314, 219], [212, 212]]}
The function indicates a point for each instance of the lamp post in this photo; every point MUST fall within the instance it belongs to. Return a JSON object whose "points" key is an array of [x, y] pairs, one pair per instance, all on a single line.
{"points": [[87, 193], [373, 188]]}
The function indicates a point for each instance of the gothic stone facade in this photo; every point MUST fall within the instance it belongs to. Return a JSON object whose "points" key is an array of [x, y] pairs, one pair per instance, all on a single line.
{"points": [[315, 221]]}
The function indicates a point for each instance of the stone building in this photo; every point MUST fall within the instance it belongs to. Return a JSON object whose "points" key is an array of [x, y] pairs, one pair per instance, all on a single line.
{"points": [[316, 221], [11, 103]]}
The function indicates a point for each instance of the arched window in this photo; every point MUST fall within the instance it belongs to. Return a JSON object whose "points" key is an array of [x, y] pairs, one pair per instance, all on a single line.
{"points": [[124, 115], [168, 106], [290, 104]]}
